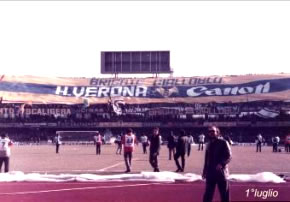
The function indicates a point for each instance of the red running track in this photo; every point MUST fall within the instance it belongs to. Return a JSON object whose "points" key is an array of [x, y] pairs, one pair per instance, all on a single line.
{"points": [[134, 192]]}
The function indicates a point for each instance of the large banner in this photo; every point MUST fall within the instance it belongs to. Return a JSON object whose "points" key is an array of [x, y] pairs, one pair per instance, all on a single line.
{"points": [[236, 89]]}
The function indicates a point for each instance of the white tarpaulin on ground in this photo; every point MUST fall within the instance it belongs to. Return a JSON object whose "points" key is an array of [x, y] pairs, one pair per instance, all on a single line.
{"points": [[17, 176]]}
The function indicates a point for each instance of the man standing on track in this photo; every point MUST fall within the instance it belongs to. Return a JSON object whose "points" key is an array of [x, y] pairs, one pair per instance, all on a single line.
{"points": [[259, 141], [287, 143], [128, 140], [118, 142], [144, 141], [181, 150], [190, 141], [58, 142], [5, 144], [98, 142], [217, 156], [201, 138], [155, 143], [171, 143], [275, 142]]}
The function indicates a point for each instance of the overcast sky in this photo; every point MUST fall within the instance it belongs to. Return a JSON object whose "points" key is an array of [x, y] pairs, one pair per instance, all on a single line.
{"points": [[204, 38]]}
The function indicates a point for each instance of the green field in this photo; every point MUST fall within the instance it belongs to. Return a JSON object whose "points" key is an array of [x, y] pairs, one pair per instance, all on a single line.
{"points": [[82, 159]]}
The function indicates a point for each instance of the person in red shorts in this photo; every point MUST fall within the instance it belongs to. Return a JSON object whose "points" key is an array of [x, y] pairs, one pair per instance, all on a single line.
{"points": [[128, 140]]}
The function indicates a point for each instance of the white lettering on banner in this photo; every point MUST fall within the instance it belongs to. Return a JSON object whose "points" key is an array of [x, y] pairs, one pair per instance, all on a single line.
{"points": [[80, 93], [200, 90], [60, 90], [137, 91], [116, 91], [141, 90], [187, 81], [129, 92], [114, 82], [91, 92], [7, 111], [49, 111], [103, 91]]}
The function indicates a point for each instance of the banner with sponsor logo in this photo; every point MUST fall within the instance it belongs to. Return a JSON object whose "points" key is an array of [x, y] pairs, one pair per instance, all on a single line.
{"points": [[237, 89]]}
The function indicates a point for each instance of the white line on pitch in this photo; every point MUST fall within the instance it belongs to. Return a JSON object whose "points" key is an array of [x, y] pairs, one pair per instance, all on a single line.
{"points": [[112, 166], [99, 170]]}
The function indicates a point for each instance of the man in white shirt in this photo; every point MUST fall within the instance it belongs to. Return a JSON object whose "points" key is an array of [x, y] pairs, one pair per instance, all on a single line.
{"points": [[5, 144], [98, 142], [275, 141], [58, 142], [128, 140], [259, 141], [201, 138], [144, 141], [190, 141]]}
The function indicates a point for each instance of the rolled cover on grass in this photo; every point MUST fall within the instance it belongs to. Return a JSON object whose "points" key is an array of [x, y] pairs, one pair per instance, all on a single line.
{"points": [[166, 176]]}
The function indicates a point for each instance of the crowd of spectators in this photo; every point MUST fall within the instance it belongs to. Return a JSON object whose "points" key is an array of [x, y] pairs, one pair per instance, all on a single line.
{"points": [[180, 112], [80, 117]]}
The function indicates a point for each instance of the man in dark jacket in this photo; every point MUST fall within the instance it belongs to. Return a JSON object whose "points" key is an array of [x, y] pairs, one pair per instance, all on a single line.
{"points": [[181, 150], [171, 144], [155, 142], [215, 171]]}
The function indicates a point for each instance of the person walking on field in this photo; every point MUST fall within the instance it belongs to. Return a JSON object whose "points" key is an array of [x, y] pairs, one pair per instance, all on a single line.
{"points": [[155, 144], [128, 140], [98, 142], [5, 144], [190, 141], [259, 141], [118, 142], [171, 143], [287, 143], [275, 142], [215, 171], [144, 141], [181, 150]]}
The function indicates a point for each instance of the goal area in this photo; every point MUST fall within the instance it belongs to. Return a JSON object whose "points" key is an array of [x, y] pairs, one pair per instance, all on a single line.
{"points": [[77, 136]]}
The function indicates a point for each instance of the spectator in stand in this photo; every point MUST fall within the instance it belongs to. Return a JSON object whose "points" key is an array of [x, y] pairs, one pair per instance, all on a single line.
{"points": [[181, 150], [259, 141], [144, 141], [201, 138], [171, 143], [190, 141], [128, 140], [155, 145], [5, 144], [98, 141], [58, 142]]}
